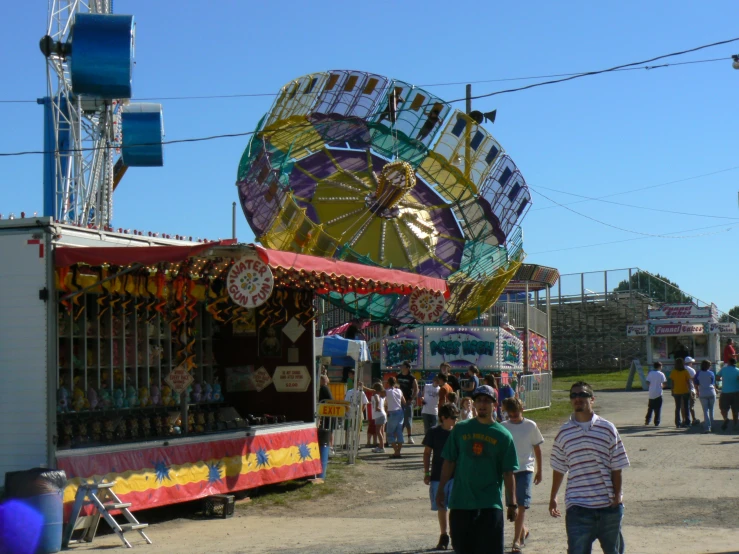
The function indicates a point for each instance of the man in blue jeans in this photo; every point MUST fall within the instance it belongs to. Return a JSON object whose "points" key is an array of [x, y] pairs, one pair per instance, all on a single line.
{"points": [[590, 450], [408, 384]]}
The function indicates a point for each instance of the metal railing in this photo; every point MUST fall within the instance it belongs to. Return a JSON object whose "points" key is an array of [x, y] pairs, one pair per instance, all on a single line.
{"points": [[535, 391]]}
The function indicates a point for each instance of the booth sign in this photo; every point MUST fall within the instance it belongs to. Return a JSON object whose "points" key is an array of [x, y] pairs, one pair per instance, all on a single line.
{"points": [[426, 306], [179, 379], [681, 311], [637, 330], [676, 329], [250, 281], [461, 346], [723, 328], [262, 379], [290, 378]]}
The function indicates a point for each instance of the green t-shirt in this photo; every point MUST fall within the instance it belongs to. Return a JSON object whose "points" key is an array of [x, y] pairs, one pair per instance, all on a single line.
{"points": [[482, 453]]}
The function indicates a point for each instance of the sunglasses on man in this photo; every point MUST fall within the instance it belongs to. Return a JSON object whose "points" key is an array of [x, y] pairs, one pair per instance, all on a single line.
{"points": [[574, 395]]}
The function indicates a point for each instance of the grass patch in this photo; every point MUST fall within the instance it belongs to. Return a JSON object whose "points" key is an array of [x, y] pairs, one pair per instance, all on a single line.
{"points": [[600, 380], [289, 492], [561, 408]]}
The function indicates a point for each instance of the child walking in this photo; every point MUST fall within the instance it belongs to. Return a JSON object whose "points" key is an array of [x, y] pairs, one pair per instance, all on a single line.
{"points": [[379, 415], [528, 440], [434, 442]]}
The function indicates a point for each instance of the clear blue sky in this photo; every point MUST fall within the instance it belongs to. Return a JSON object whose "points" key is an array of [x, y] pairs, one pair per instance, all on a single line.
{"points": [[593, 136]]}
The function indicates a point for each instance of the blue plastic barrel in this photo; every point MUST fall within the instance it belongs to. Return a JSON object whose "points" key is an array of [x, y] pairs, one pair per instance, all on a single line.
{"points": [[51, 508], [31, 525], [142, 128], [102, 55]]}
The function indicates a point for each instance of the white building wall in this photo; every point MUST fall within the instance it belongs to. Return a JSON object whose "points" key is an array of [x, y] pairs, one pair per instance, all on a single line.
{"points": [[23, 351]]}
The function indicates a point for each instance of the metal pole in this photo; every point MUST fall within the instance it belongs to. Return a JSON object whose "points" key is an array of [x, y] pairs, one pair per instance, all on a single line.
{"points": [[549, 331], [233, 220], [526, 334], [467, 138]]}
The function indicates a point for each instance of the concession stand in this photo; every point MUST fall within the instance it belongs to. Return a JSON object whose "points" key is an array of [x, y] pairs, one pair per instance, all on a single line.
{"points": [[177, 369], [680, 330]]}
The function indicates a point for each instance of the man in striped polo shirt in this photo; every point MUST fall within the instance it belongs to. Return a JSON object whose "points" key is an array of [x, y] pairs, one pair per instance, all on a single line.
{"points": [[589, 448]]}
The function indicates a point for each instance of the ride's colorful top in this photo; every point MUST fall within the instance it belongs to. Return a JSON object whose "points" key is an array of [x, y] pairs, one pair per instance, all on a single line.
{"points": [[365, 168]]}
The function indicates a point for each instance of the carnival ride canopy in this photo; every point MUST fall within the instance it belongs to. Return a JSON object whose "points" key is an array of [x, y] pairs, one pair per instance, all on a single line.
{"points": [[365, 168]]}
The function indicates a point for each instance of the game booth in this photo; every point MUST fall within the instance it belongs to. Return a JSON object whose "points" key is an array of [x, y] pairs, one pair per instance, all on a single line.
{"points": [[679, 330], [425, 347], [179, 370]]}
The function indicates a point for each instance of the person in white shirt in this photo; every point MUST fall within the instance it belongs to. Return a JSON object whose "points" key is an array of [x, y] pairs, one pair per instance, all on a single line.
{"points": [[395, 404], [528, 441], [361, 405], [656, 380], [379, 415], [430, 409], [691, 370]]}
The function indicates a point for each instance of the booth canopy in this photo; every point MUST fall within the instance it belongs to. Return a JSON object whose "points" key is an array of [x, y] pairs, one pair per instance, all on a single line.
{"points": [[323, 275], [343, 352]]}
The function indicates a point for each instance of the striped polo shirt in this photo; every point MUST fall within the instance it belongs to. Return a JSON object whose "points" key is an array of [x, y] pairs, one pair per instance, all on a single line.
{"points": [[589, 457]]}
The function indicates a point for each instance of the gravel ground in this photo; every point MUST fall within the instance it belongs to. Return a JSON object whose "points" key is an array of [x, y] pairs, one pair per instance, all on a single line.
{"points": [[680, 497]]}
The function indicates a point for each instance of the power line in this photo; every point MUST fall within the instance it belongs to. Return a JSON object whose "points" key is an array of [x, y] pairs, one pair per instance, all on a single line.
{"points": [[639, 189], [599, 72], [649, 67], [501, 80], [576, 76], [640, 238], [639, 207], [606, 224]]}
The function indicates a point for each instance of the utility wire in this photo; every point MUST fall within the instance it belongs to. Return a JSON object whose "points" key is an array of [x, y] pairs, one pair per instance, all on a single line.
{"points": [[638, 207], [601, 71], [639, 238], [648, 67], [638, 189], [576, 76], [505, 79], [606, 224]]}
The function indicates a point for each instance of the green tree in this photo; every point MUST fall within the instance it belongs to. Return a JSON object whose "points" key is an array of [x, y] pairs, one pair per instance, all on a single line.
{"points": [[656, 286], [733, 312]]}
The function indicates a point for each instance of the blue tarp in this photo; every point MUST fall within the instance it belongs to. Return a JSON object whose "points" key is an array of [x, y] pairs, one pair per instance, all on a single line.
{"points": [[343, 352]]}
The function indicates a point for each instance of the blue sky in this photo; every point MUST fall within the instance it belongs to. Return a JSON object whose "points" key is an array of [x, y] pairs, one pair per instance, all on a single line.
{"points": [[593, 136]]}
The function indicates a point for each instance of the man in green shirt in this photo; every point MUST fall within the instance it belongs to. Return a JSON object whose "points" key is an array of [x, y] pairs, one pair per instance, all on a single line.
{"points": [[481, 456]]}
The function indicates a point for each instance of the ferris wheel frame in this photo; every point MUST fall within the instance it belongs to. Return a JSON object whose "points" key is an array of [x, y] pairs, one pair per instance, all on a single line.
{"points": [[82, 135]]}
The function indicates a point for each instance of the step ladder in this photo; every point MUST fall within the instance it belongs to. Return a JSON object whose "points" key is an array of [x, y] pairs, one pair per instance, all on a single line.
{"points": [[104, 500]]}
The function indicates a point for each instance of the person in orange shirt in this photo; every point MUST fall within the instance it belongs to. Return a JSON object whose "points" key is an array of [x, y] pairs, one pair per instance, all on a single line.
{"points": [[444, 389], [729, 351], [681, 393]]}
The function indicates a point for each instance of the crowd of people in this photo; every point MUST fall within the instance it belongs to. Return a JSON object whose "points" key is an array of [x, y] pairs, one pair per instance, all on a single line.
{"points": [[688, 385], [482, 458]]}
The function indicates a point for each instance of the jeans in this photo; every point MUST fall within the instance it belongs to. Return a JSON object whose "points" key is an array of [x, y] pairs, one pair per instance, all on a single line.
{"points": [[682, 401], [707, 404], [429, 421], [408, 416], [584, 525], [394, 429], [655, 405], [477, 531]]}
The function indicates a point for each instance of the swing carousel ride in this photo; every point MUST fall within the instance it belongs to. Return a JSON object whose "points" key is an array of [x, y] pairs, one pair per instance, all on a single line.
{"points": [[373, 170]]}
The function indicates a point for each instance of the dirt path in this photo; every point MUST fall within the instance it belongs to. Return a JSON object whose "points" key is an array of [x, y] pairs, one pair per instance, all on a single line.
{"points": [[681, 496]]}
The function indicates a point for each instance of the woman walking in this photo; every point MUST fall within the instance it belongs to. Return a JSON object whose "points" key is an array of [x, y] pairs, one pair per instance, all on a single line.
{"points": [[395, 404], [681, 393], [705, 381]]}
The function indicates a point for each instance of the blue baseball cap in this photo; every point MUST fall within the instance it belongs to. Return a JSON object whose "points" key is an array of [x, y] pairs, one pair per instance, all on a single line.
{"points": [[487, 390]]}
